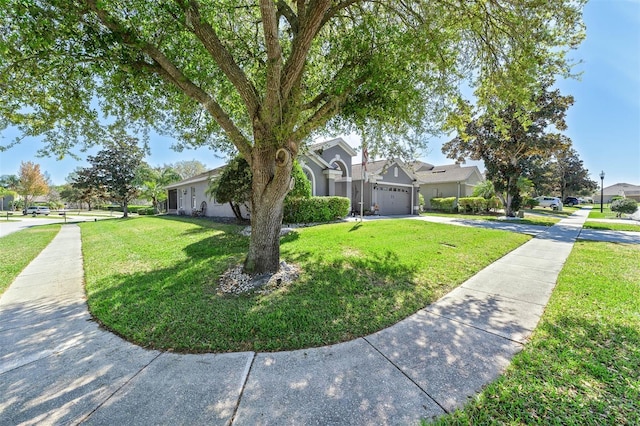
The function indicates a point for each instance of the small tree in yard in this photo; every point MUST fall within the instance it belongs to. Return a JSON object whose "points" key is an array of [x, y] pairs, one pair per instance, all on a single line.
{"points": [[263, 77], [624, 205]]}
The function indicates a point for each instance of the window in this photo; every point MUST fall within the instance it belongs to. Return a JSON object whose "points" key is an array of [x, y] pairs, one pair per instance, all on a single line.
{"points": [[395, 171], [193, 197]]}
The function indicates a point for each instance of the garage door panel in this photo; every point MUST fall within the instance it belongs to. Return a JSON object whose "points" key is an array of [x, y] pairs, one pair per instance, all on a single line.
{"points": [[394, 200]]}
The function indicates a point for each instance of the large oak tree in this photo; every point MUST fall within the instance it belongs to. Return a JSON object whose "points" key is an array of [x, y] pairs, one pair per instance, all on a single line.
{"points": [[263, 77]]}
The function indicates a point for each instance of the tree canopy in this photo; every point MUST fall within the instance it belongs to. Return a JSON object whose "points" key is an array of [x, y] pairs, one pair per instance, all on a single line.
{"points": [[509, 142], [31, 183], [263, 77]]}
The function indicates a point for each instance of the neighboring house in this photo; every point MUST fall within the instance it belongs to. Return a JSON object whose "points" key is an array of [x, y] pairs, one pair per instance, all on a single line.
{"points": [[6, 202], [327, 165], [619, 189], [389, 187], [452, 180]]}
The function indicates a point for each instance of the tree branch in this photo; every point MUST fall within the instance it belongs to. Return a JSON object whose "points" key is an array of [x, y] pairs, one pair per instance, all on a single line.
{"points": [[169, 72], [207, 35], [271, 110]]}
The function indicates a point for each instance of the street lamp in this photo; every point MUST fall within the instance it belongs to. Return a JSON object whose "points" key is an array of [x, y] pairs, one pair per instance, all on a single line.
{"points": [[601, 189]]}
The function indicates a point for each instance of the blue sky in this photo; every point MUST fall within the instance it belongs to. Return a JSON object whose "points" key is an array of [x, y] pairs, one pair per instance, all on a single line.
{"points": [[604, 122]]}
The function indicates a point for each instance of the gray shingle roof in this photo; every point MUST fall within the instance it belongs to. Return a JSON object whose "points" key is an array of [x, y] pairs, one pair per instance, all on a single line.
{"points": [[447, 173]]}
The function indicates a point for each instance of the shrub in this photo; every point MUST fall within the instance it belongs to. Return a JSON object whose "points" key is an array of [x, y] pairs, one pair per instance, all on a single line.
{"points": [[315, 209], [472, 204], [150, 211], [624, 205], [443, 204], [530, 202], [615, 198]]}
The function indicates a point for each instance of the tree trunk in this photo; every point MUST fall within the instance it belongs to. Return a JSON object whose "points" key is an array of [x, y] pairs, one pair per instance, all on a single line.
{"points": [[271, 170], [511, 186]]}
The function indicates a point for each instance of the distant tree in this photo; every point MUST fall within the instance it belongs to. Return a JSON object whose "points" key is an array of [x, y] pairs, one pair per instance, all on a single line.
{"points": [[572, 177], [31, 183], [508, 143], [186, 169], [114, 169], [88, 189]]}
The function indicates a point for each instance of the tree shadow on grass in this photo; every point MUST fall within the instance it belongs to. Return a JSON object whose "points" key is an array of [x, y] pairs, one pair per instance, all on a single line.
{"points": [[178, 308]]}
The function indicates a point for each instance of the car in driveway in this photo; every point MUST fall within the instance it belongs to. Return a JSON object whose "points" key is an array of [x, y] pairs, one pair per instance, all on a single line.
{"points": [[571, 201], [551, 202], [37, 210]]}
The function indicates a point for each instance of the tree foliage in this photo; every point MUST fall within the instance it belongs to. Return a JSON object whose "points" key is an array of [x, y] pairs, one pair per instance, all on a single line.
{"points": [[624, 205], [31, 182], [509, 142], [113, 170], [263, 77], [187, 168]]}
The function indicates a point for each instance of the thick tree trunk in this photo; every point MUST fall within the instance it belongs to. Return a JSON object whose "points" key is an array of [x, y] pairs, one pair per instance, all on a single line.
{"points": [[271, 171]]}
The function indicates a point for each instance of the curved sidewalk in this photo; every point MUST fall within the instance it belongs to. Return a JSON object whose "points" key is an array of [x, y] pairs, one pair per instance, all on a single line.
{"points": [[58, 367]]}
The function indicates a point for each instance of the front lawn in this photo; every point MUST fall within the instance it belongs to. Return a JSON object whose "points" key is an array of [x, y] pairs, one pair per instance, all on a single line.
{"points": [[18, 249], [154, 280], [495, 217], [612, 226], [582, 365]]}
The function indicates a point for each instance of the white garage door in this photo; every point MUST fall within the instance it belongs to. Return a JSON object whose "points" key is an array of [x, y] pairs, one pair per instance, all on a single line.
{"points": [[394, 200]]}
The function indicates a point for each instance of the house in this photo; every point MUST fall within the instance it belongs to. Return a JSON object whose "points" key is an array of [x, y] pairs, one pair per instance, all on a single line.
{"points": [[451, 180], [327, 165], [626, 190], [188, 197], [386, 187]]}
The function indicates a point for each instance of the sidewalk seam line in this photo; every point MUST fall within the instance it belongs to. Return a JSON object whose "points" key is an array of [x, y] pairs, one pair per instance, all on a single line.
{"points": [[144, 367], [243, 384], [407, 376]]}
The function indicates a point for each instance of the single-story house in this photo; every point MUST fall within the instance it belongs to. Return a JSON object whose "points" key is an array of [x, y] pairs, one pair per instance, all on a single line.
{"points": [[384, 187], [626, 190], [327, 165]]}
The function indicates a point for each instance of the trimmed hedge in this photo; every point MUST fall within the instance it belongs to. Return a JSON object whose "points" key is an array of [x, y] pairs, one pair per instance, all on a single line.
{"points": [[443, 204], [530, 202], [150, 211], [315, 209]]}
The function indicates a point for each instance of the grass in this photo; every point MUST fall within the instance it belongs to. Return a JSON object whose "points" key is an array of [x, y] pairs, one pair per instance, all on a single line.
{"points": [[606, 212], [611, 226], [582, 365], [153, 280], [18, 249]]}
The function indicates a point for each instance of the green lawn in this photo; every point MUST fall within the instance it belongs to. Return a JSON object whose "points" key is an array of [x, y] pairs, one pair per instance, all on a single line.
{"points": [[582, 365], [612, 226], [606, 212], [153, 280], [18, 249]]}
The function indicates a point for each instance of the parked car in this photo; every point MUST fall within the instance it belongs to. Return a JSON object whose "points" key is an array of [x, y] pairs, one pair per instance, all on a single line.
{"points": [[571, 201], [37, 210], [551, 202]]}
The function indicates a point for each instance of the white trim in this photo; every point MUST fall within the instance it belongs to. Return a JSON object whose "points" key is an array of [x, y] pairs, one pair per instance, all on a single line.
{"points": [[337, 159], [395, 184]]}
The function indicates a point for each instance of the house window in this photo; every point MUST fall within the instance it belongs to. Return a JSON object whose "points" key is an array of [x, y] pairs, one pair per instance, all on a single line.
{"points": [[395, 172], [193, 197]]}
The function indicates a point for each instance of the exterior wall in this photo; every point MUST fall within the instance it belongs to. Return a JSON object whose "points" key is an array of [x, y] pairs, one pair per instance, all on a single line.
{"points": [[321, 187], [442, 190], [189, 198]]}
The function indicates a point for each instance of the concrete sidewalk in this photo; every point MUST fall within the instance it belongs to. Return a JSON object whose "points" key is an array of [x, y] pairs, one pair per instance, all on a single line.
{"points": [[58, 367]]}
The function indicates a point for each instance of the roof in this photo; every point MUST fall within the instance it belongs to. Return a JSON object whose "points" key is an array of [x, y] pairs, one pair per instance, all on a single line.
{"points": [[620, 188], [447, 173], [330, 143], [197, 178]]}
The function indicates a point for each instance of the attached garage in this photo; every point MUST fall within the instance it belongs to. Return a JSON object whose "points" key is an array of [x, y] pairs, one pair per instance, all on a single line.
{"points": [[393, 200]]}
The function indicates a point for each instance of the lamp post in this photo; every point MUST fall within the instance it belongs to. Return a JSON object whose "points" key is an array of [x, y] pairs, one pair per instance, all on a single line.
{"points": [[601, 189]]}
